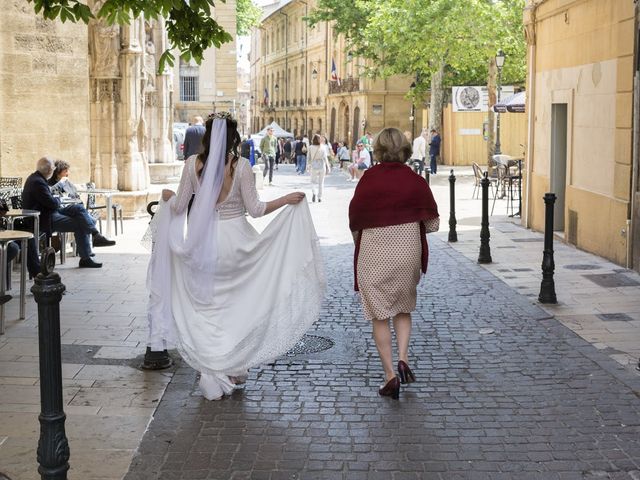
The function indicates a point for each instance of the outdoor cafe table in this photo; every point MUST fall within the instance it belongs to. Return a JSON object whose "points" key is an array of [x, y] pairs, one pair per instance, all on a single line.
{"points": [[7, 236], [14, 213], [107, 193]]}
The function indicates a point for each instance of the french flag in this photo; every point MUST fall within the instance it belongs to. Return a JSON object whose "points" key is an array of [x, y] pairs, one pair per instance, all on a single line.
{"points": [[334, 72], [266, 97]]}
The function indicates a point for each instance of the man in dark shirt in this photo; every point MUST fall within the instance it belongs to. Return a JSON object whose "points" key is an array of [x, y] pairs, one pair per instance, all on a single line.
{"points": [[193, 138], [37, 195], [434, 150]]}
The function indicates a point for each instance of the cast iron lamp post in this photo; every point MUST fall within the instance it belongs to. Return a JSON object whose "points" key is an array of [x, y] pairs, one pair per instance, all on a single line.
{"points": [[500, 57]]}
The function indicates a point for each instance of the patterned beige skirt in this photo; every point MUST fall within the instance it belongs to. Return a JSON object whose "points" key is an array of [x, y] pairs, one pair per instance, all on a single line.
{"points": [[389, 270]]}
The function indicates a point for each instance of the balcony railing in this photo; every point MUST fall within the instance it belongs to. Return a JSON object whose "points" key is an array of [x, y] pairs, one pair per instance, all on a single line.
{"points": [[344, 86]]}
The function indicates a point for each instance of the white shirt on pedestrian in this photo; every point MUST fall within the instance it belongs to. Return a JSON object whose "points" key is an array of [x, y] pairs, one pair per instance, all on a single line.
{"points": [[419, 148], [364, 157]]}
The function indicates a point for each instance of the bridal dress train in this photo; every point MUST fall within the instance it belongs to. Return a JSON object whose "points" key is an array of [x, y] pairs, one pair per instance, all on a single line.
{"points": [[267, 290]]}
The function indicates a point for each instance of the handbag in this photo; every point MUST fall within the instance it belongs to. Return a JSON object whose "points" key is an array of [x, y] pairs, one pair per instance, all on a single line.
{"points": [[304, 148]]}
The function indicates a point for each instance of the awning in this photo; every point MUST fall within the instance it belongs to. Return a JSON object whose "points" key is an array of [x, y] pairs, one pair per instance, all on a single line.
{"points": [[512, 103], [278, 131]]}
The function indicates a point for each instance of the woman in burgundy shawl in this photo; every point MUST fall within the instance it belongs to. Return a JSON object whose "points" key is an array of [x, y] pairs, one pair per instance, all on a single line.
{"points": [[391, 211]]}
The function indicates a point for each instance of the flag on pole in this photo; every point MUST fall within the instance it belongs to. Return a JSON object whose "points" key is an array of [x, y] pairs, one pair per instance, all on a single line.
{"points": [[266, 97], [334, 72]]}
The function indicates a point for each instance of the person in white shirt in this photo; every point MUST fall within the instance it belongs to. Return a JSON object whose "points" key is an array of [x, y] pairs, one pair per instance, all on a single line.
{"points": [[362, 161], [419, 152]]}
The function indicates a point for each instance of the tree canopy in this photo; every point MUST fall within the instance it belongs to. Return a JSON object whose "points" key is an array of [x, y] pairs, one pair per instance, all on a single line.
{"points": [[414, 37], [190, 26]]}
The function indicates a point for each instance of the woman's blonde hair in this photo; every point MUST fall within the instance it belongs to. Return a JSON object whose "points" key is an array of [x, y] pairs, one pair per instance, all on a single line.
{"points": [[391, 145]]}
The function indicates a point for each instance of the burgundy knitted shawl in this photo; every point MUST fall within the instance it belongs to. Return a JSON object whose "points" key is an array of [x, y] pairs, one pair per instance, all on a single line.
{"points": [[390, 193]]}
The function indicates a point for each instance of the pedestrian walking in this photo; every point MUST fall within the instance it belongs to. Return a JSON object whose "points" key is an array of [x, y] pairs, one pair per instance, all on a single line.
{"points": [[268, 146], [391, 211], [301, 155], [419, 151], [319, 166], [434, 150], [193, 137]]}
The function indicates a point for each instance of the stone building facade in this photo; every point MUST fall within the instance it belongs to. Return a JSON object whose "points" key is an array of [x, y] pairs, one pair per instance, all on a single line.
{"points": [[291, 81], [212, 85], [44, 92], [92, 95], [581, 68]]}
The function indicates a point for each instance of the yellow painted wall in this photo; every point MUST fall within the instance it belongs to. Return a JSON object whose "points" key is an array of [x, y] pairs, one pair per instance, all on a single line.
{"points": [[464, 144], [584, 51]]}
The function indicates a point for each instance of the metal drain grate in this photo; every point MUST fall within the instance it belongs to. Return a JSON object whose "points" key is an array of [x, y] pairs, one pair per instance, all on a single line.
{"points": [[612, 280], [310, 344], [581, 267]]}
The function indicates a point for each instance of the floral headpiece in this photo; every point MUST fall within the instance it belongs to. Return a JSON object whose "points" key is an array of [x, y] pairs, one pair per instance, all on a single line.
{"points": [[220, 115]]}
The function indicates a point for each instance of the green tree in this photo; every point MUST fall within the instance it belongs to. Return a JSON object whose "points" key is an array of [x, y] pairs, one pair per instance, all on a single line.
{"points": [[247, 16], [190, 26], [439, 42]]}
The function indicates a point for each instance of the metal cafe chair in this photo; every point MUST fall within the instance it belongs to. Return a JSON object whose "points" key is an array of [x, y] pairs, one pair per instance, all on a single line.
{"points": [[93, 208]]}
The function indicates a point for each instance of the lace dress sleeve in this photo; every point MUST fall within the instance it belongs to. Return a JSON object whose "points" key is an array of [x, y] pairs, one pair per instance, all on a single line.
{"points": [[248, 190], [187, 187]]}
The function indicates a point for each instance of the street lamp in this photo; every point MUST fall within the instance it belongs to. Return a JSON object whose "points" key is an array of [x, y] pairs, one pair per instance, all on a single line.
{"points": [[314, 73], [500, 57]]}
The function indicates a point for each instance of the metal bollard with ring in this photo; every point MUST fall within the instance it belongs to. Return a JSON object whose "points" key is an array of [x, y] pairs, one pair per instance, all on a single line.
{"points": [[53, 447], [547, 286], [453, 235], [485, 248]]}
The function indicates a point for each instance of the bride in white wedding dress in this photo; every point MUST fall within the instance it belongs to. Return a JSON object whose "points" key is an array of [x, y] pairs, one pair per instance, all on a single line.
{"points": [[227, 297]]}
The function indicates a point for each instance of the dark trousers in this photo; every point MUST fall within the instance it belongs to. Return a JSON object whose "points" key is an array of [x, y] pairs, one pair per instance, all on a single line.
{"points": [[269, 162], [434, 162], [33, 262]]}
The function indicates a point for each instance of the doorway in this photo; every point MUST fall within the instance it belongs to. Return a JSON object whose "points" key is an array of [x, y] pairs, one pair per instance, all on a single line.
{"points": [[558, 171], [634, 248]]}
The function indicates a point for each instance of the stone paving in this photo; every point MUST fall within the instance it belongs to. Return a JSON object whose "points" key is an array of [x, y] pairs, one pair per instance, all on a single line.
{"points": [[504, 389]]}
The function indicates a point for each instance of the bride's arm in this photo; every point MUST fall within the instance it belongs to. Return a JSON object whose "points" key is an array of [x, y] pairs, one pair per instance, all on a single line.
{"points": [[252, 203], [185, 190]]}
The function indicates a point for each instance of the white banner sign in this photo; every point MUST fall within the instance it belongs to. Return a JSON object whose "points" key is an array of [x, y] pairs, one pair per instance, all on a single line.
{"points": [[475, 99]]}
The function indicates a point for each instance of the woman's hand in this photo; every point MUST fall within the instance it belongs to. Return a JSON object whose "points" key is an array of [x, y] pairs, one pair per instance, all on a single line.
{"points": [[293, 198], [167, 194]]}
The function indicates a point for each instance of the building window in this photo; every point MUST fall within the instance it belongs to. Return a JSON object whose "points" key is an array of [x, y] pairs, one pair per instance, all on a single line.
{"points": [[189, 83]]}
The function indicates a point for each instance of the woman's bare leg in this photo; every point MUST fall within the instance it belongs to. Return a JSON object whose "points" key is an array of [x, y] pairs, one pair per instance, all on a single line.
{"points": [[382, 337], [402, 326]]}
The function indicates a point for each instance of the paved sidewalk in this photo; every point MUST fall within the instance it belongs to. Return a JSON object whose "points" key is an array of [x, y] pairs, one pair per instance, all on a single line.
{"points": [[530, 400]]}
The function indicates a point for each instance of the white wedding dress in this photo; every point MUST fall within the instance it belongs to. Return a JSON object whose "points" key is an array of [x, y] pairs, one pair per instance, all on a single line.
{"points": [[267, 292]]}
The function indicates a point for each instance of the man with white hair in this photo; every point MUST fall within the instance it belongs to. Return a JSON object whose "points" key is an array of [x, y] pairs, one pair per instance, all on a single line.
{"points": [[37, 195]]}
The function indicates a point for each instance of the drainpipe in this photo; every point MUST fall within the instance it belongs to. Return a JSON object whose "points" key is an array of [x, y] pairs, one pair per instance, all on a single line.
{"points": [[631, 226], [529, 21]]}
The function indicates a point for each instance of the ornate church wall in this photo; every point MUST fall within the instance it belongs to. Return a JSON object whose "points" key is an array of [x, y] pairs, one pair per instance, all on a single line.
{"points": [[44, 92]]}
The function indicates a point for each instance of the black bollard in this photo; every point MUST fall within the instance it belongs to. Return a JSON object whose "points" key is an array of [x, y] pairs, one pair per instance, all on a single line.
{"points": [[547, 287], [453, 235], [485, 249], [53, 447], [427, 177], [155, 359]]}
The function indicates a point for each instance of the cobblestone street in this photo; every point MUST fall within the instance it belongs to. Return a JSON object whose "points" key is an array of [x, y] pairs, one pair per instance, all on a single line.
{"points": [[504, 391]]}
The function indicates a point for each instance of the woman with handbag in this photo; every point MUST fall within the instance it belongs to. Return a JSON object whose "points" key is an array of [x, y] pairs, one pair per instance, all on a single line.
{"points": [[319, 166], [391, 211]]}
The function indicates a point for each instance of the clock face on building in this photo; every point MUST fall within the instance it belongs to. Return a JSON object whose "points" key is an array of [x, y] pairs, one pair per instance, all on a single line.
{"points": [[469, 97]]}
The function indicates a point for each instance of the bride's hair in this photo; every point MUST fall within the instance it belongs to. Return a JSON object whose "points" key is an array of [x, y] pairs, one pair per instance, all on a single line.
{"points": [[233, 141]]}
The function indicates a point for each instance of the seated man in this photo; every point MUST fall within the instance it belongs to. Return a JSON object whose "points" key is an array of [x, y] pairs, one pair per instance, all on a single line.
{"points": [[37, 195], [362, 161]]}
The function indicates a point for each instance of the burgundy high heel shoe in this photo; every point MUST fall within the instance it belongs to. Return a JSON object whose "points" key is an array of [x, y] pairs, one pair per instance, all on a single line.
{"points": [[391, 389], [405, 373]]}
